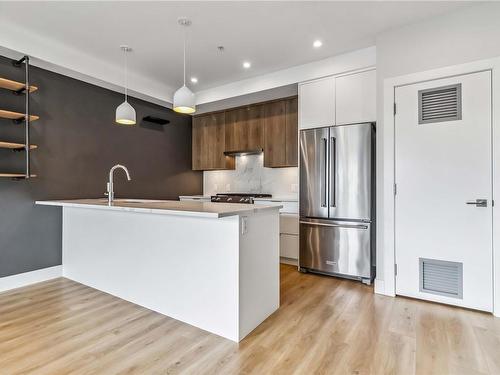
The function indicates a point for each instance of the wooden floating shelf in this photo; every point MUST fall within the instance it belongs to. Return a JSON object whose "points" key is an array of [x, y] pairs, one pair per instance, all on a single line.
{"points": [[15, 146], [15, 86], [15, 175], [16, 115]]}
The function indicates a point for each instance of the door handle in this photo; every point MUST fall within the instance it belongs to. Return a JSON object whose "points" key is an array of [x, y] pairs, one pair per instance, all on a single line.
{"points": [[334, 225], [479, 202], [333, 172], [324, 182]]}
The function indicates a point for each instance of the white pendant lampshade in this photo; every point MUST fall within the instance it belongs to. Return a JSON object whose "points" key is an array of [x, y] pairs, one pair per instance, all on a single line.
{"points": [[184, 99], [125, 113]]}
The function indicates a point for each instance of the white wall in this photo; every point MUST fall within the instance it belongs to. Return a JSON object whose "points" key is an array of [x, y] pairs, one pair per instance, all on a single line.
{"points": [[251, 176], [347, 62], [65, 59], [69, 61], [470, 34]]}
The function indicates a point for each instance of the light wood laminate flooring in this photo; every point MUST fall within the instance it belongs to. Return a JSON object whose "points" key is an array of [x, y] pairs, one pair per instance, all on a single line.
{"points": [[324, 326]]}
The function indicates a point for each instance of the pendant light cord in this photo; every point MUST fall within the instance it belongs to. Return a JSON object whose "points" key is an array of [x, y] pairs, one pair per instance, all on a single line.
{"points": [[126, 75], [184, 55]]}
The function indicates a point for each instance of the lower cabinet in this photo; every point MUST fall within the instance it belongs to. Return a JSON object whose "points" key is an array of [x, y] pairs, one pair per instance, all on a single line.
{"points": [[289, 235], [289, 229], [289, 246]]}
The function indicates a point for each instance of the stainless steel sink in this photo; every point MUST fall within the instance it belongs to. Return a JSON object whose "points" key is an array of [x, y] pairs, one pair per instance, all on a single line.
{"points": [[127, 200]]}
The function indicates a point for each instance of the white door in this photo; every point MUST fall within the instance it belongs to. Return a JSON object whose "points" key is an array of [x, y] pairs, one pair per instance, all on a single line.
{"points": [[443, 164]]}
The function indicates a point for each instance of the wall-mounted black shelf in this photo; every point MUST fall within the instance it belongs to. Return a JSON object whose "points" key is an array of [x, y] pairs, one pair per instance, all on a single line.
{"points": [[26, 117], [15, 176], [16, 87], [16, 146], [16, 116], [156, 120]]}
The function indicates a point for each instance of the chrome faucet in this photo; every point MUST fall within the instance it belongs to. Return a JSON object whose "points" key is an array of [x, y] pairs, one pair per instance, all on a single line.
{"points": [[110, 193]]}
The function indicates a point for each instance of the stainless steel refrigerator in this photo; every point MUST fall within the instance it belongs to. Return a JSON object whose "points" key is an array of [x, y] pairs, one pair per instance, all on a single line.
{"points": [[337, 212]]}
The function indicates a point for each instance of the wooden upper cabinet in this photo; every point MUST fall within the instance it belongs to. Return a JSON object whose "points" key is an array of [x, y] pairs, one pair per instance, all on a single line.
{"points": [[255, 126], [271, 126], [198, 145], [244, 129], [275, 134], [235, 125], [281, 134], [292, 132], [209, 143]]}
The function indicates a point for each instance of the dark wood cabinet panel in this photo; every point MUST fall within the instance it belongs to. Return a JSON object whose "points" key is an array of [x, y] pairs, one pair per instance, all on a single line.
{"points": [[255, 127], [198, 136], [235, 125], [209, 143], [271, 126], [275, 134], [244, 129], [292, 132], [281, 133]]}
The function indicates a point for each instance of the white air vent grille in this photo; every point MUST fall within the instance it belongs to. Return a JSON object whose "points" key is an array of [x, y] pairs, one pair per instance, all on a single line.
{"points": [[440, 104], [441, 277]]}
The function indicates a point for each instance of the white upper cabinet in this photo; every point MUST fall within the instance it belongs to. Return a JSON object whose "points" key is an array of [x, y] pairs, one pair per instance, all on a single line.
{"points": [[356, 98], [317, 103]]}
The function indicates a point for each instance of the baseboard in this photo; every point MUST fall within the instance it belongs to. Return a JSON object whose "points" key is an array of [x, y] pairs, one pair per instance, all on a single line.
{"points": [[27, 278], [290, 261], [379, 286]]}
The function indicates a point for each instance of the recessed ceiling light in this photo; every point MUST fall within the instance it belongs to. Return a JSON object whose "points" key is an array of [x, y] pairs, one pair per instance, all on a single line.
{"points": [[246, 64], [317, 43], [194, 80]]}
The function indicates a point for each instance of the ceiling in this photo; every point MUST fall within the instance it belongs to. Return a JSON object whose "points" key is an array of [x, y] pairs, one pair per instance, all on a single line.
{"points": [[271, 35]]}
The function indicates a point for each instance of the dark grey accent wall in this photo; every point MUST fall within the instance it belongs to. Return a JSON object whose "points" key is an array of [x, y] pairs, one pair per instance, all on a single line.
{"points": [[78, 142], [256, 97]]}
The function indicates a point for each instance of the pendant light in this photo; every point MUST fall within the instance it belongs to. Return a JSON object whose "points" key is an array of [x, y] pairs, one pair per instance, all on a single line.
{"points": [[184, 97], [125, 113]]}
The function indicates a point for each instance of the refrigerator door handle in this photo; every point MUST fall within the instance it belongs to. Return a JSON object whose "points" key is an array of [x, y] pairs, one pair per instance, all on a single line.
{"points": [[324, 173], [333, 172], [335, 225]]}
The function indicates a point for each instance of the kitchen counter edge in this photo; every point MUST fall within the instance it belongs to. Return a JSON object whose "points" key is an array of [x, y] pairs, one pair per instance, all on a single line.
{"points": [[149, 208]]}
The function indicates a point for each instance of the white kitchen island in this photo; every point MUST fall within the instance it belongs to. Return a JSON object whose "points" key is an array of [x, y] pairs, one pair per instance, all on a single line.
{"points": [[212, 265]]}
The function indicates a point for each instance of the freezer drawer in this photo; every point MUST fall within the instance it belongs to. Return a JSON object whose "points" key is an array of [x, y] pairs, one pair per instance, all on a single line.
{"points": [[335, 247]]}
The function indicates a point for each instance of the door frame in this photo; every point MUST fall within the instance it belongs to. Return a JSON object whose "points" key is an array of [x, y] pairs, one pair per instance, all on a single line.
{"points": [[385, 283]]}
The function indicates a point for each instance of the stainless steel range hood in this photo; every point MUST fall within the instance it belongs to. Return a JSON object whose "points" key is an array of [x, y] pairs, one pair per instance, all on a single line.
{"points": [[243, 152]]}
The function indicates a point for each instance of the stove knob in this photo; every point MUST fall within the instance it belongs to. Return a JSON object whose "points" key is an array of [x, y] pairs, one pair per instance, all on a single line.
{"points": [[217, 199], [229, 199], [242, 199]]}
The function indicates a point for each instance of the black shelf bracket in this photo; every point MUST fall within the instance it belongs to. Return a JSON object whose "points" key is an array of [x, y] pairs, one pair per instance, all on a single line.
{"points": [[26, 119], [20, 91], [18, 63]]}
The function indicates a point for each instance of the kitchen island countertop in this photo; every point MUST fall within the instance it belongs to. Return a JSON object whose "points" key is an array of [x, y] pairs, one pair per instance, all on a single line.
{"points": [[166, 207]]}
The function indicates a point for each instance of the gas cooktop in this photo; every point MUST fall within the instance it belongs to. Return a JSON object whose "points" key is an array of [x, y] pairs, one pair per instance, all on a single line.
{"points": [[238, 197]]}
